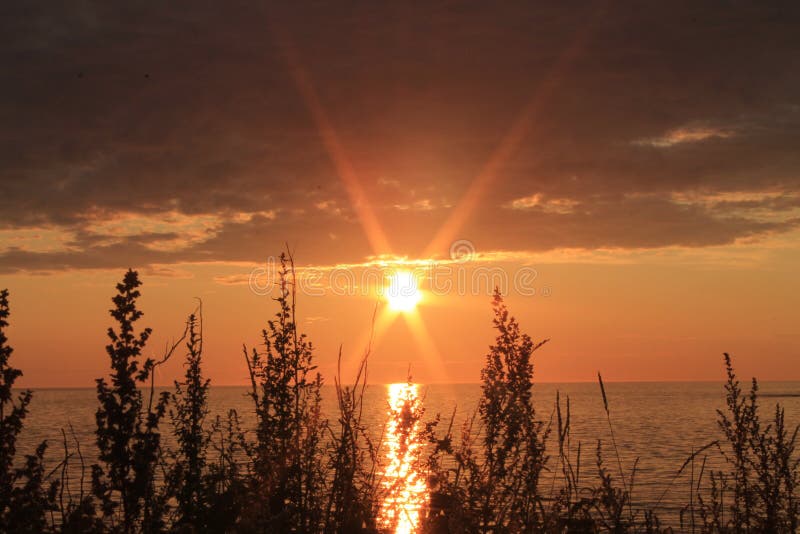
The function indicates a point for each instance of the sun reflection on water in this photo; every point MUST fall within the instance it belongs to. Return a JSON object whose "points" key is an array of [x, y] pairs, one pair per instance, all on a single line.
{"points": [[405, 486]]}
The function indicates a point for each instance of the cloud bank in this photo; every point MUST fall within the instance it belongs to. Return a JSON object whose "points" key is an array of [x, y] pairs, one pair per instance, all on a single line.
{"points": [[137, 135]]}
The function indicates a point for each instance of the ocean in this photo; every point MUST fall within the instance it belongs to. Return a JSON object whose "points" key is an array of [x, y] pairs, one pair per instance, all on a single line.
{"points": [[661, 424]]}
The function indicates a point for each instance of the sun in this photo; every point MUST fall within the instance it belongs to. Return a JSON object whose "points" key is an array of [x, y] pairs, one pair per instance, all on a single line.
{"points": [[403, 293]]}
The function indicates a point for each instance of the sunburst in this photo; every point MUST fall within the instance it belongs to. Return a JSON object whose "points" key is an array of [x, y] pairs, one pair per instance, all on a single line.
{"points": [[403, 292]]}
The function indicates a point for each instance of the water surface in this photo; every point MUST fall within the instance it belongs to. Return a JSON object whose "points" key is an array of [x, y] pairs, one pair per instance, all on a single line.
{"points": [[659, 423]]}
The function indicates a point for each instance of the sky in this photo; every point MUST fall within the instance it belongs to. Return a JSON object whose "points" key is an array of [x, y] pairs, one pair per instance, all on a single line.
{"points": [[627, 172]]}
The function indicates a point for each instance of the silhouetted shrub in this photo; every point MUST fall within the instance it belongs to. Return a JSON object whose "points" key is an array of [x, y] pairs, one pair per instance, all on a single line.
{"points": [[759, 491], [494, 485], [352, 461], [228, 482], [491, 481], [128, 439], [288, 471], [25, 497], [187, 475]]}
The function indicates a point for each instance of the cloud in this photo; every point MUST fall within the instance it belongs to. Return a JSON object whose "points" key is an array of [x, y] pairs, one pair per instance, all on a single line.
{"points": [[233, 279], [551, 205], [688, 134], [418, 205], [137, 134], [179, 231], [36, 240], [330, 206]]}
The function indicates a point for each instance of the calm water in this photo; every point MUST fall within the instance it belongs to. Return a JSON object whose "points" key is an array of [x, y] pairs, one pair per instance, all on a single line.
{"points": [[661, 423]]}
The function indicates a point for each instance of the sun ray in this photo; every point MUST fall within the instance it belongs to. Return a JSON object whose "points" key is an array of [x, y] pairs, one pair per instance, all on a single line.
{"points": [[447, 232], [384, 318], [344, 167], [508, 145], [428, 350]]}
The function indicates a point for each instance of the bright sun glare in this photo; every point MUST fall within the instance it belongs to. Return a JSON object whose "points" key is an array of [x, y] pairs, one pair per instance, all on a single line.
{"points": [[403, 292]]}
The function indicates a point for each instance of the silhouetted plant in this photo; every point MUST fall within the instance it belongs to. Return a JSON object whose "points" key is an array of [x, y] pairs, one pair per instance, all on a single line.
{"points": [[352, 460], [496, 490], [513, 438], [610, 501], [491, 481], [128, 438], [569, 508], [187, 477], [226, 481], [626, 491], [764, 474], [288, 454], [25, 498], [78, 515]]}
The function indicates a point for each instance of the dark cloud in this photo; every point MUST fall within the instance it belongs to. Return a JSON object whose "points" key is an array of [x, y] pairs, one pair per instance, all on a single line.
{"points": [[155, 109]]}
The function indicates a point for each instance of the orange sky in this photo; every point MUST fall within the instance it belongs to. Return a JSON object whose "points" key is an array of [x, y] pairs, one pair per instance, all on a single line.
{"points": [[643, 318], [644, 168]]}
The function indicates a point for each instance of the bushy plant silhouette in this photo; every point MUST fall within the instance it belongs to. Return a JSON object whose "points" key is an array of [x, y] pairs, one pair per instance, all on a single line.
{"points": [[494, 486], [187, 476], [352, 460], [128, 437], [764, 468], [25, 496], [288, 454]]}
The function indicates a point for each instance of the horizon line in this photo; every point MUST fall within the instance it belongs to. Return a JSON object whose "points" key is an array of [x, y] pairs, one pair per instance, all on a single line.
{"points": [[477, 383]]}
